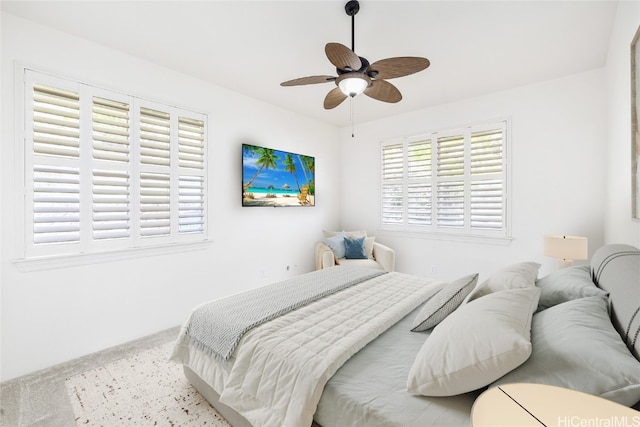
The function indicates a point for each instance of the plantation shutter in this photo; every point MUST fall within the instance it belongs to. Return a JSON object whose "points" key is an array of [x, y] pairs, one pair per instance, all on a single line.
{"points": [[55, 164], [450, 181], [155, 173], [155, 137], [419, 182], [111, 205], [487, 184], [392, 184], [110, 130], [111, 188], [191, 181], [105, 170], [155, 204], [56, 122], [56, 204], [191, 143], [191, 201]]}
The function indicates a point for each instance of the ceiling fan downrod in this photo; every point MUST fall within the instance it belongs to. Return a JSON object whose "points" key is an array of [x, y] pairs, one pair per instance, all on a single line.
{"points": [[352, 7]]}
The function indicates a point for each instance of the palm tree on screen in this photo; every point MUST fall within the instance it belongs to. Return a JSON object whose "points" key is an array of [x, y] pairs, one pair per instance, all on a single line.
{"points": [[308, 164], [267, 159], [290, 166]]}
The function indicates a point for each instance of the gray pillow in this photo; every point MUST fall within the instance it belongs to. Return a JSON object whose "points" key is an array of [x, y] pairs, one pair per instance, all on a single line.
{"points": [[566, 285], [519, 275], [443, 303], [575, 346]]}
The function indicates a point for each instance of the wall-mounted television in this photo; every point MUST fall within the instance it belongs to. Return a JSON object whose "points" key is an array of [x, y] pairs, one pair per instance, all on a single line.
{"points": [[277, 178]]}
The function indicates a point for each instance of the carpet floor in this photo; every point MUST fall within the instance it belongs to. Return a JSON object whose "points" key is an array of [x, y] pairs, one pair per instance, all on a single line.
{"points": [[130, 385], [141, 390]]}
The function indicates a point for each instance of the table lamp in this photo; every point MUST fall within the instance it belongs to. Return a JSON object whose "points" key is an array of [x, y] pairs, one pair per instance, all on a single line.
{"points": [[566, 249]]}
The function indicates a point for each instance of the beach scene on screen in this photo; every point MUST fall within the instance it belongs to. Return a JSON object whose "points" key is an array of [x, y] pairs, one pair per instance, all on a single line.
{"points": [[276, 178]]}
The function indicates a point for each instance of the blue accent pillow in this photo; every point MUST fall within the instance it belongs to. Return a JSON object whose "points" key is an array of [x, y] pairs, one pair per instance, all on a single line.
{"points": [[354, 248], [336, 243]]}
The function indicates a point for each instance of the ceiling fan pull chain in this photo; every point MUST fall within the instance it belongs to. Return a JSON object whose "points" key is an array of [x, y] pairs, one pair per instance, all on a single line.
{"points": [[352, 125]]}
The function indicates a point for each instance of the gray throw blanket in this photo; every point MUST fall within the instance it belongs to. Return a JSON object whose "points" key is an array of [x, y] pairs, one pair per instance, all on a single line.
{"points": [[218, 326]]}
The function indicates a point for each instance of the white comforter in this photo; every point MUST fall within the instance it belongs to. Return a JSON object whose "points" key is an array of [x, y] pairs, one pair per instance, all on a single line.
{"points": [[281, 367]]}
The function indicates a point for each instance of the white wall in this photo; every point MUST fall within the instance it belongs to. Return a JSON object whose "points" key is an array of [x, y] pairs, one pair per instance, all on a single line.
{"points": [[51, 316], [558, 142], [619, 227]]}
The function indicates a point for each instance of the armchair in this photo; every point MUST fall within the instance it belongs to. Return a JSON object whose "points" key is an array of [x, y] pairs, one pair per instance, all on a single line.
{"points": [[382, 257]]}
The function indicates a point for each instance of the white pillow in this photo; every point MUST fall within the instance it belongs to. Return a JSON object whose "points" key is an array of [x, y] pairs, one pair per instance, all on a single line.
{"points": [[368, 246], [520, 275], [476, 344], [352, 234]]}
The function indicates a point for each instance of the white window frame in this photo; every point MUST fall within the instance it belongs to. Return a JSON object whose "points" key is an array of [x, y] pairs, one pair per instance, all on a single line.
{"points": [[430, 228], [87, 249]]}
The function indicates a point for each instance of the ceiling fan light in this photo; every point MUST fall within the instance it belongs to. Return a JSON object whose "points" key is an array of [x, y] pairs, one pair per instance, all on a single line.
{"points": [[352, 86]]}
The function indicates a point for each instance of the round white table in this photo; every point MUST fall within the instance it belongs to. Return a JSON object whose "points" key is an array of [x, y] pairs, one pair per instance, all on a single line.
{"points": [[535, 405]]}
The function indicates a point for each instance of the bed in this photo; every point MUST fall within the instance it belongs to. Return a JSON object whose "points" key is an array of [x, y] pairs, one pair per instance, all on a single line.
{"points": [[344, 346]]}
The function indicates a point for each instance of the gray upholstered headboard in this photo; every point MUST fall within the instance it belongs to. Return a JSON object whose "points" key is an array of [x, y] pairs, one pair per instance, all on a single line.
{"points": [[616, 269]]}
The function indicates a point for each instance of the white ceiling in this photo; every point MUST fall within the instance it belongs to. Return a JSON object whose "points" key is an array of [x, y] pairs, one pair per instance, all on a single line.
{"points": [[475, 47]]}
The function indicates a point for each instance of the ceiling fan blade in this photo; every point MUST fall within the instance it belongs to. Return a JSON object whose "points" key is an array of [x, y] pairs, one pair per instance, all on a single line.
{"points": [[334, 98], [401, 66], [383, 91], [308, 80], [342, 57]]}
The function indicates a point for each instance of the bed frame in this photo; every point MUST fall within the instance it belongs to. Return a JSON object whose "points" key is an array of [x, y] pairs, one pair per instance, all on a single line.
{"points": [[615, 269], [213, 397]]}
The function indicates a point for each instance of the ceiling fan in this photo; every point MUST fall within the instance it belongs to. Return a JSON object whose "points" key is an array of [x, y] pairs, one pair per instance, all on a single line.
{"points": [[356, 75]]}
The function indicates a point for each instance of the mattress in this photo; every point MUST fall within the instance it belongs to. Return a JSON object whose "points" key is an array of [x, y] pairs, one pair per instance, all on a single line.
{"points": [[370, 388]]}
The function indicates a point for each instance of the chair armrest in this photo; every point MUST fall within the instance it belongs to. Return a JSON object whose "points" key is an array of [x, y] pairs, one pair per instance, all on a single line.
{"points": [[385, 256], [324, 256]]}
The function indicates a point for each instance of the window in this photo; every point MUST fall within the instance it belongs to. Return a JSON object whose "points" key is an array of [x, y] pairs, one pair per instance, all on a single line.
{"points": [[452, 182], [106, 171]]}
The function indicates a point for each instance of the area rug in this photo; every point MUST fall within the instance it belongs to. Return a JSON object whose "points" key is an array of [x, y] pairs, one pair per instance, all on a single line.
{"points": [[140, 390]]}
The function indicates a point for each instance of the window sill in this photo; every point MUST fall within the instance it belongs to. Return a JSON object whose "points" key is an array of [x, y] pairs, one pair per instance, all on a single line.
{"points": [[449, 237], [26, 265]]}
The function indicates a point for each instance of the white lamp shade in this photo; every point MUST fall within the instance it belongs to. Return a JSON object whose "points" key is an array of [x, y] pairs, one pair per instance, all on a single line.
{"points": [[566, 247], [352, 86]]}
